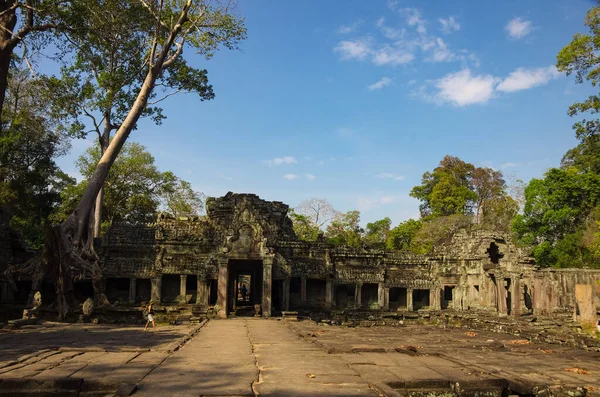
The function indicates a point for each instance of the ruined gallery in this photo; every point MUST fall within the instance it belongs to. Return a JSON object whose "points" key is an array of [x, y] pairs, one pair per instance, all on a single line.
{"points": [[243, 258]]}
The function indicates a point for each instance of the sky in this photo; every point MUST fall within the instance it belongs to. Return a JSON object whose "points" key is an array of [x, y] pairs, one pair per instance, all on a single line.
{"points": [[353, 101]]}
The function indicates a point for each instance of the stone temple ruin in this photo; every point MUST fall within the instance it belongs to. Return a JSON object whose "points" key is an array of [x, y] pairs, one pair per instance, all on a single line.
{"points": [[244, 258]]}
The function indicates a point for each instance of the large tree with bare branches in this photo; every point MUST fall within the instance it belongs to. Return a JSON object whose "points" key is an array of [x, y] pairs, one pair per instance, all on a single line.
{"points": [[175, 25]]}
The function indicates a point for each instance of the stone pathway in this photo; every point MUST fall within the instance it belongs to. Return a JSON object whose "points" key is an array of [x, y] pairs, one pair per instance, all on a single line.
{"points": [[257, 357], [247, 357]]}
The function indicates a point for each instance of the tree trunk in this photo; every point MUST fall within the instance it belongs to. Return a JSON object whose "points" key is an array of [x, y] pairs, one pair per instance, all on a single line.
{"points": [[8, 21], [104, 141], [69, 247]]}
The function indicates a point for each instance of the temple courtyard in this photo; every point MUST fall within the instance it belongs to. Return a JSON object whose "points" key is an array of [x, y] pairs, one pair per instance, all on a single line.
{"points": [[273, 357]]}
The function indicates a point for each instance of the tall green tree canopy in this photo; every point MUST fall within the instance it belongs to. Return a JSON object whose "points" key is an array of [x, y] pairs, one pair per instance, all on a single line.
{"points": [[377, 233], [345, 229], [136, 190], [446, 190], [30, 180], [581, 57]]}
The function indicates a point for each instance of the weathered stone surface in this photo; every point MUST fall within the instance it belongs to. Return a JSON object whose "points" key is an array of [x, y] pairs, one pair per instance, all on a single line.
{"points": [[88, 307]]}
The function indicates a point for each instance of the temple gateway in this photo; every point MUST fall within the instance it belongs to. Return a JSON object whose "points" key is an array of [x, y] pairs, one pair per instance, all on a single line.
{"points": [[243, 258]]}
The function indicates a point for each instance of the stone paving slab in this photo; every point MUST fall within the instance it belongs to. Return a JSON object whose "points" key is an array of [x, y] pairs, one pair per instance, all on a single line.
{"points": [[454, 355]]}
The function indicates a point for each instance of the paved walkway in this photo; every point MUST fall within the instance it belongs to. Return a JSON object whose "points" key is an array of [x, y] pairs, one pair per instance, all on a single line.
{"points": [[252, 357], [247, 357]]}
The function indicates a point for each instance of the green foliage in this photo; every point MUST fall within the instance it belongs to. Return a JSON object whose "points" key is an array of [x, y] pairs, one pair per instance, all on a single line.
{"points": [[377, 233], [401, 236], [30, 180], [134, 189], [437, 231], [180, 199], [345, 230], [581, 58], [446, 190], [557, 211], [304, 227]]}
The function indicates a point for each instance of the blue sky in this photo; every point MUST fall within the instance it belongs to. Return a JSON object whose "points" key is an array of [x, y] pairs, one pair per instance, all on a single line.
{"points": [[353, 101]]}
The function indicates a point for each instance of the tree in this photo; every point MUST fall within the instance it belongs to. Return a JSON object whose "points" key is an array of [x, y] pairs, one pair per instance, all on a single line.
{"points": [[581, 57], [317, 211], [198, 25], [135, 188], [344, 229], [377, 233], [400, 237], [304, 227], [488, 184], [446, 190], [106, 40], [30, 180], [556, 210], [437, 231], [180, 199], [19, 20]]}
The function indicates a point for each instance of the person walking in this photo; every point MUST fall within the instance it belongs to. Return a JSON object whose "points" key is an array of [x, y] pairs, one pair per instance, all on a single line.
{"points": [[149, 314]]}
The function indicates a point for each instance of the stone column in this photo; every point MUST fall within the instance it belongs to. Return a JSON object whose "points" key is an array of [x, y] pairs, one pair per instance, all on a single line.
{"points": [[358, 295], [516, 296], [380, 296], [132, 290], [409, 299], [286, 294], [156, 289], [183, 287], [386, 299], [500, 284], [303, 290], [585, 310], [267, 287], [329, 292], [222, 289], [202, 293], [434, 299]]}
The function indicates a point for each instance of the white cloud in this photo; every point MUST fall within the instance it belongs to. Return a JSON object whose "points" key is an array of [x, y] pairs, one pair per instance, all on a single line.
{"points": [[281, 160], [345, 29], [389, 55], [518, 28], [461, 88], [509, 165], [354, 49], [310, 177], [380, 22], [385, 81], [413, 18], [289, 177], [449, 25], [389, 175], [524, 79], [440, 51], [368, 203]]}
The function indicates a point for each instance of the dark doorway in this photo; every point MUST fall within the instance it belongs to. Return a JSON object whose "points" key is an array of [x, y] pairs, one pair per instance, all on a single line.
{"points": [[170, 288], [191, 287], [508, 296], [420, 298], [245, 286], [82, 290], [22, 292], [447, 296], [213, 292], [315, 292], [295, 285], [117, 289], [397, 298], [369, 296], [344, 296], [143, 290]]}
